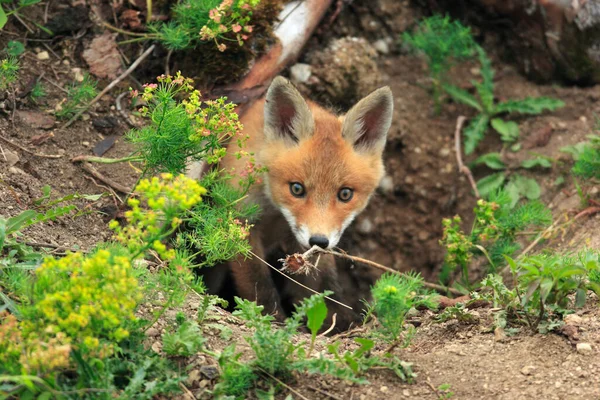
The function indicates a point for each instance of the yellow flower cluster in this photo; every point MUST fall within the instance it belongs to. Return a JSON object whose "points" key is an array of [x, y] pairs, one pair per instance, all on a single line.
{"points": [[167, 197], [88, 298]]}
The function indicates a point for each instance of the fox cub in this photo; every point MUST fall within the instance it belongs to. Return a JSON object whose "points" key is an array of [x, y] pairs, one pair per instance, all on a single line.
{"points": [[321, 171]]}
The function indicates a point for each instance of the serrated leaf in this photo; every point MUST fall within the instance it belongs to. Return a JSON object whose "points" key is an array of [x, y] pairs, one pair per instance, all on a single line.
{"points": [[490, 183], [462, 96], [20, 221], [492, 160], [536, 162], [508, 130], [530, 105], [527, 187], [474, 132]]}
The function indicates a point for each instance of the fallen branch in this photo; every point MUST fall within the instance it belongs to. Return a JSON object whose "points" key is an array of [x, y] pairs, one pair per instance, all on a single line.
{"points": [[300, 263], [94, 172], [11, 143], [461, 166], [110, 86]]}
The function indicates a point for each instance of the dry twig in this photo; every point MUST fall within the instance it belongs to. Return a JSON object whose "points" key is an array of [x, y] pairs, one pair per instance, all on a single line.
{"points": [[461, 166], [94, 172], [11, 143], [301, 263]]}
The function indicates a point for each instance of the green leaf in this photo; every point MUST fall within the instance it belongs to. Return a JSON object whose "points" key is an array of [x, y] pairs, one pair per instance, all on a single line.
{"points": [[492, 160], [2, 232], [508, 130], [14, 48], [530, 105], [491, 183], [545, 288], [531, 288], [536, 162], [474, 132], [516, 147], [365, 346], [3, 18], [580, 297], [316, 315], [513, 192], [527, 187], [462, 96], [17, 222]]}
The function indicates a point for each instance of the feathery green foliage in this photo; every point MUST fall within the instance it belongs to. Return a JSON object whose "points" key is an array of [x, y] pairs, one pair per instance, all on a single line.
{"points": [[493, 233], [78, 95], [443, 42], [393, 297]]}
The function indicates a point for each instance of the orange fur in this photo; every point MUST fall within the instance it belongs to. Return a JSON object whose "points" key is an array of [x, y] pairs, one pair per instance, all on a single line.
{"points": [[324, 153]]}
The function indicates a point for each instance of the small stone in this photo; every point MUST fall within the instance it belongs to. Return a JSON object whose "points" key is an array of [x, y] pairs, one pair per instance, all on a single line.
{"points": [[78, 75], [209, 371], [193, 377], [387, 184], [66, 62], [499, 334], [584, 348], [85, 144], [381, 46], [384, 389], [528, 370], [573, 319], [152, 332], [444, 152], [156, 347], [300, 72], [406, 393], [43, 55], [9, 157], [85, 117], [365, 226]]}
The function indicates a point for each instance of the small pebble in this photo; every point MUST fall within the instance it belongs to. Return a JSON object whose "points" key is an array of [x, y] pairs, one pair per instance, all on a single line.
{"points": [[584, 348], [43, 55]]}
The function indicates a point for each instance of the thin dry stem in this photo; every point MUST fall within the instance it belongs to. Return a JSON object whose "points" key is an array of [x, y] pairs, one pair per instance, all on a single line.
{"points": [[461, 166], [298, 283]]}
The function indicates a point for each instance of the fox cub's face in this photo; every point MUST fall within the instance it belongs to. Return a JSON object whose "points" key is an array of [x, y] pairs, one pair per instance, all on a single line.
{"points": [[322, 169]]}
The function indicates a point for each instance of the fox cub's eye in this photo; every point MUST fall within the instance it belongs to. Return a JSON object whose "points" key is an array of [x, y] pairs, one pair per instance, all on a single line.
{"points": [[297, 189], [345, 194]]}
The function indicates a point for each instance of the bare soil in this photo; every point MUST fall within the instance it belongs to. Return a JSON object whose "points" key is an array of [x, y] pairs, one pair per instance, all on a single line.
{"points": [[401, 227]]}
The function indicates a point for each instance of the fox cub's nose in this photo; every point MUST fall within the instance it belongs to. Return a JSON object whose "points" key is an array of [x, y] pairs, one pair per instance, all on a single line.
{"points": [[319, 240]]}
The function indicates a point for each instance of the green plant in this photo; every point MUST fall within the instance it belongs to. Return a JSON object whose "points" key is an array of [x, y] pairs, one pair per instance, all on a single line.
{"points": [[458, 312], [9, 72], [393, 297], [495, 226], [445, 392], [515, 184], [37, 92], [443, 42], [17, 8], [204, 21], [185, 341], [490, 111], [546, 280], [78, 94], [71, 333], [587, 157]]}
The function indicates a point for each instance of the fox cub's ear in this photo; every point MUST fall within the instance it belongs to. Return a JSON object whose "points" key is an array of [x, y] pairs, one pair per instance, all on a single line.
{"points": [[367, 123], [287, 116]]}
